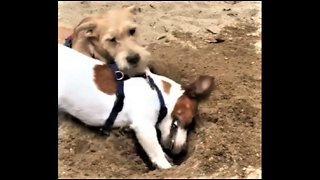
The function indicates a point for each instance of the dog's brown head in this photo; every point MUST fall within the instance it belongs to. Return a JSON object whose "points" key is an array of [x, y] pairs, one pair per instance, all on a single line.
{"points": [[113, 36], [174, 128]]}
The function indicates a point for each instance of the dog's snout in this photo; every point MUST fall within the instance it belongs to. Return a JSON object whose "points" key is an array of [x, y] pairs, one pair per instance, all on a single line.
{"points": [[133, 58]]}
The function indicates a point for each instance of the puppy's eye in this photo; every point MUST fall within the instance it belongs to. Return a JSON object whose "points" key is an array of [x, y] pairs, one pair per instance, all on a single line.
{"points": [[112, 39], [132, 31]]}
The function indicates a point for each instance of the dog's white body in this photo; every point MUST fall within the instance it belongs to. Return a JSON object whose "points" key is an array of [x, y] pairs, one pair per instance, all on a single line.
{"points": [[79, 96]]}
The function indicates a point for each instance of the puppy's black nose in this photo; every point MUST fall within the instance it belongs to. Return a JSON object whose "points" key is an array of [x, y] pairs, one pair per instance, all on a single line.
{"points": [[133, 58]]}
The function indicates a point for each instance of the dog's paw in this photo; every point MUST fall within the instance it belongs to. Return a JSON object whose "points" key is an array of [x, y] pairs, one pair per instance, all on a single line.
{"points": [[163, 164]]}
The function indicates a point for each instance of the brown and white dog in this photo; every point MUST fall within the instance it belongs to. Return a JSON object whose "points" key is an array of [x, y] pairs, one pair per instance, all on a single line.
{"points": [[110, 36], [86, 91]]}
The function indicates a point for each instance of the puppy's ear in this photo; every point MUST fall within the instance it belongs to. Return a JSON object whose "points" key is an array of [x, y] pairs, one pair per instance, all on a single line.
{"points": [[88, 25], [201, 88], [132, 9]]}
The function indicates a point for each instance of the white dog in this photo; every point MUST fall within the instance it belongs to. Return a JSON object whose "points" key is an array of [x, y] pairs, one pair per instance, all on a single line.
{"points": [[86, 91]]}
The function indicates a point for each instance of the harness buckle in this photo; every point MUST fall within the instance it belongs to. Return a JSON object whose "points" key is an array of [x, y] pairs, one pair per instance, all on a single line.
{"points": [[119, 75]]}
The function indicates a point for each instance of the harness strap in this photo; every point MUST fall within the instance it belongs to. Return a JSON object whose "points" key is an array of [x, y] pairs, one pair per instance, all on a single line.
{"points": [[163, 109], [68, 41], [118, 104]]}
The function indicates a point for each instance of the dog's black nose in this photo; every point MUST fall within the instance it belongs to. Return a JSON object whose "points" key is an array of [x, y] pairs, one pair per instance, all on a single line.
{"points": [[133, 58]]}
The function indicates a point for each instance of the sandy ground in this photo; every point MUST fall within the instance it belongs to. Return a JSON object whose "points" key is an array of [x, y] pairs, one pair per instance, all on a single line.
{"points": [[186, 39]]}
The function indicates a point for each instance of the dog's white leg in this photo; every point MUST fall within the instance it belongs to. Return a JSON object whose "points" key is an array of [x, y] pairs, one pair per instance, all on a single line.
{"points": [[147, 137]]}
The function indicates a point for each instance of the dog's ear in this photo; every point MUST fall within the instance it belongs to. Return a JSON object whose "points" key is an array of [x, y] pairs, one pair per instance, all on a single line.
{"points": [[88, 25], [200, 88], [132, 9]]}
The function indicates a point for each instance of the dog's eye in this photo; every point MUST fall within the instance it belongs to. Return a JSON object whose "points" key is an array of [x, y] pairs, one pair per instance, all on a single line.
{"points": [[112, 39], [132, 31], [174, 124]]}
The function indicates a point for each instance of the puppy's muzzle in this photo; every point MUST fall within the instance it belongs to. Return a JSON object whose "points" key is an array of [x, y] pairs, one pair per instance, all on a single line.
{"points": [[133, 58]]}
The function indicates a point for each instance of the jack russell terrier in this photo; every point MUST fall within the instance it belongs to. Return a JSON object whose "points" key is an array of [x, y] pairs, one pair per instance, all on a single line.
{"points": [[86, 90], [113, 35]]}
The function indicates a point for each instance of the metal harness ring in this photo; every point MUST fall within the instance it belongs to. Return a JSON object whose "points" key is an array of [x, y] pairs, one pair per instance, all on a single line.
{"points": [[119, 73]]}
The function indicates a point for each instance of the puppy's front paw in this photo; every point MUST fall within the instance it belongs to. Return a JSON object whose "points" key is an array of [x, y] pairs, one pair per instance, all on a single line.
{"points": [[163, 164]]}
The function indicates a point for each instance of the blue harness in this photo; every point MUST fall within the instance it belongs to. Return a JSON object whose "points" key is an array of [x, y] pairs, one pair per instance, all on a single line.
{"points": [[118, 104]]}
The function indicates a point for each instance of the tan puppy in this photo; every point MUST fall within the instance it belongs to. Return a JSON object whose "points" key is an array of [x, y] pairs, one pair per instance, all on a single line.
{"points": [[111, 36]]}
